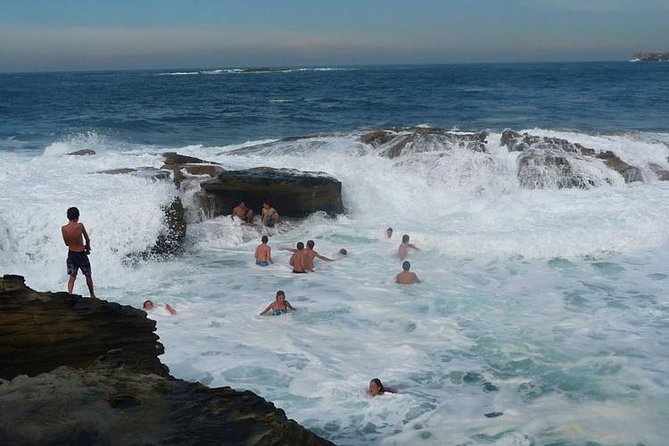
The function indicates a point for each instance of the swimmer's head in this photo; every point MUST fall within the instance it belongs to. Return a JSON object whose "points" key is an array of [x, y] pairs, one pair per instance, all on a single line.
{"points": [[300, 245], [264, 239], [280, 295], [310, 244], [147, 305], [343, 252], [389, 232], [405, 238], [406, 265], [376, 387]]}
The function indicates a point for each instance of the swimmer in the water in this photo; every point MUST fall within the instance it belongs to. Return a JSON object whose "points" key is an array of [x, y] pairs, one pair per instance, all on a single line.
{"points": [[376, 387], [279, 306], [406, 277], [403, 250], [263, 254], [148, 306]]}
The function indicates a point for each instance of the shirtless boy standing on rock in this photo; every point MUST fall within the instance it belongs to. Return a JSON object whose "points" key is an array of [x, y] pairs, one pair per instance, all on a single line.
{"points": [[74, 235]]}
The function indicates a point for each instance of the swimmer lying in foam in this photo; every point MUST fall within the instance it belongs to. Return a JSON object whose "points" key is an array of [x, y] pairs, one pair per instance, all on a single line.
{"points": [[148, 306], [279, 306], [376, 387]]}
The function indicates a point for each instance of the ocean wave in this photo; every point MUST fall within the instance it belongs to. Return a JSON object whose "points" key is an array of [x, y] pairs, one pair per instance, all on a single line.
{"points": [[259, 70]]}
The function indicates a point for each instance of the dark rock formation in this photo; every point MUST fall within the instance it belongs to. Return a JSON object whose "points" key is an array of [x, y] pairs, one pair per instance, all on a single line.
{"points": [[170, 241], [662, 174], [125, 396], [556, 167], [83, 152], [394, 143], [291, 192], [143, 172], [181, 165], [173, 159], [542, 169], [41, 331]]}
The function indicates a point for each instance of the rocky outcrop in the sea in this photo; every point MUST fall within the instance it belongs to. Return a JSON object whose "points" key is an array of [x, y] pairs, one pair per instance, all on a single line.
{"points": [[395, 143], [170, 240], [83, 152], [85, 371], [183, 166], [293, 193], [141, 172], [549, 162]]}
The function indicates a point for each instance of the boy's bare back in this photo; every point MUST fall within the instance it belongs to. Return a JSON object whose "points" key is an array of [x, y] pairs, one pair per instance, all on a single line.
{"points": [[73, 236]]}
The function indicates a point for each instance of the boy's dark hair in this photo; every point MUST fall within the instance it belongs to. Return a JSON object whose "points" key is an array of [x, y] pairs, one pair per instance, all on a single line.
{"points": [[406, 265], [72, 213], [264, 239], [405, 238], [300, 245], [310, 243]]}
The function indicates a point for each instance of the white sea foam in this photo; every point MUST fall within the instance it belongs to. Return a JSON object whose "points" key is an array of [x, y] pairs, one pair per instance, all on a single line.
{"points": [[547, 306]]}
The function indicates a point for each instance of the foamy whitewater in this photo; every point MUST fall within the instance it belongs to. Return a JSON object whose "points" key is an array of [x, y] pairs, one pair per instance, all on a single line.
{"points": [[542, 316]]}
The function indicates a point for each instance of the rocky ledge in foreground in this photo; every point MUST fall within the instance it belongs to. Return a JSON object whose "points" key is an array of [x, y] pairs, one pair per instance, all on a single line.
{"points": [[85, 371]]}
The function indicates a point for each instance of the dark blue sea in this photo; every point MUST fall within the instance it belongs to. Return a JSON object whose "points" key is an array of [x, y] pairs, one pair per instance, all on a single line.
{"points": [[542, 315], [218, 107]]}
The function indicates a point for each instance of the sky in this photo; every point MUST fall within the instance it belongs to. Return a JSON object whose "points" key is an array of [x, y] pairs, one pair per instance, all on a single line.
{"points": [[63, 35]]}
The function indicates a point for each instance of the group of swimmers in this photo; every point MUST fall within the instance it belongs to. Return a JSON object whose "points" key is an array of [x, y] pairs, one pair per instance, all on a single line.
{"points": [[406, 277], [269, 215], [302, 260]]}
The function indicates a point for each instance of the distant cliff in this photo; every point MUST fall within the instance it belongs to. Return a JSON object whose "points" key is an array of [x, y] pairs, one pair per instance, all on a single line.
{"points": [[650, 57]]}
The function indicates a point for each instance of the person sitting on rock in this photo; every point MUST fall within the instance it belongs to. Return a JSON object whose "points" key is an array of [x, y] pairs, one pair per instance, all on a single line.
{"points": [[279, 306], [270, 216], [376, 388], [148, 306], [406, 277]]}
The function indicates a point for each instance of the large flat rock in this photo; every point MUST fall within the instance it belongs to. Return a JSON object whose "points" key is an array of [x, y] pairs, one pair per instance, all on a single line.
{"points": [[291, 192]]}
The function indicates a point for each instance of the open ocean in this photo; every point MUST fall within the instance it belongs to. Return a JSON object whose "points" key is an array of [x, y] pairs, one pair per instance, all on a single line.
{"points": [[543, 315]]}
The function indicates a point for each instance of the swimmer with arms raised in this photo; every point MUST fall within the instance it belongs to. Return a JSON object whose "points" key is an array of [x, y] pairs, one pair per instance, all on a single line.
{"points": [[403, 250], [279, 306]]}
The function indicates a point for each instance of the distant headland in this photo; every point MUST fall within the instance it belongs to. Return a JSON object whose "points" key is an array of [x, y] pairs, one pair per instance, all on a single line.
{"points": [[650, 57]]}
